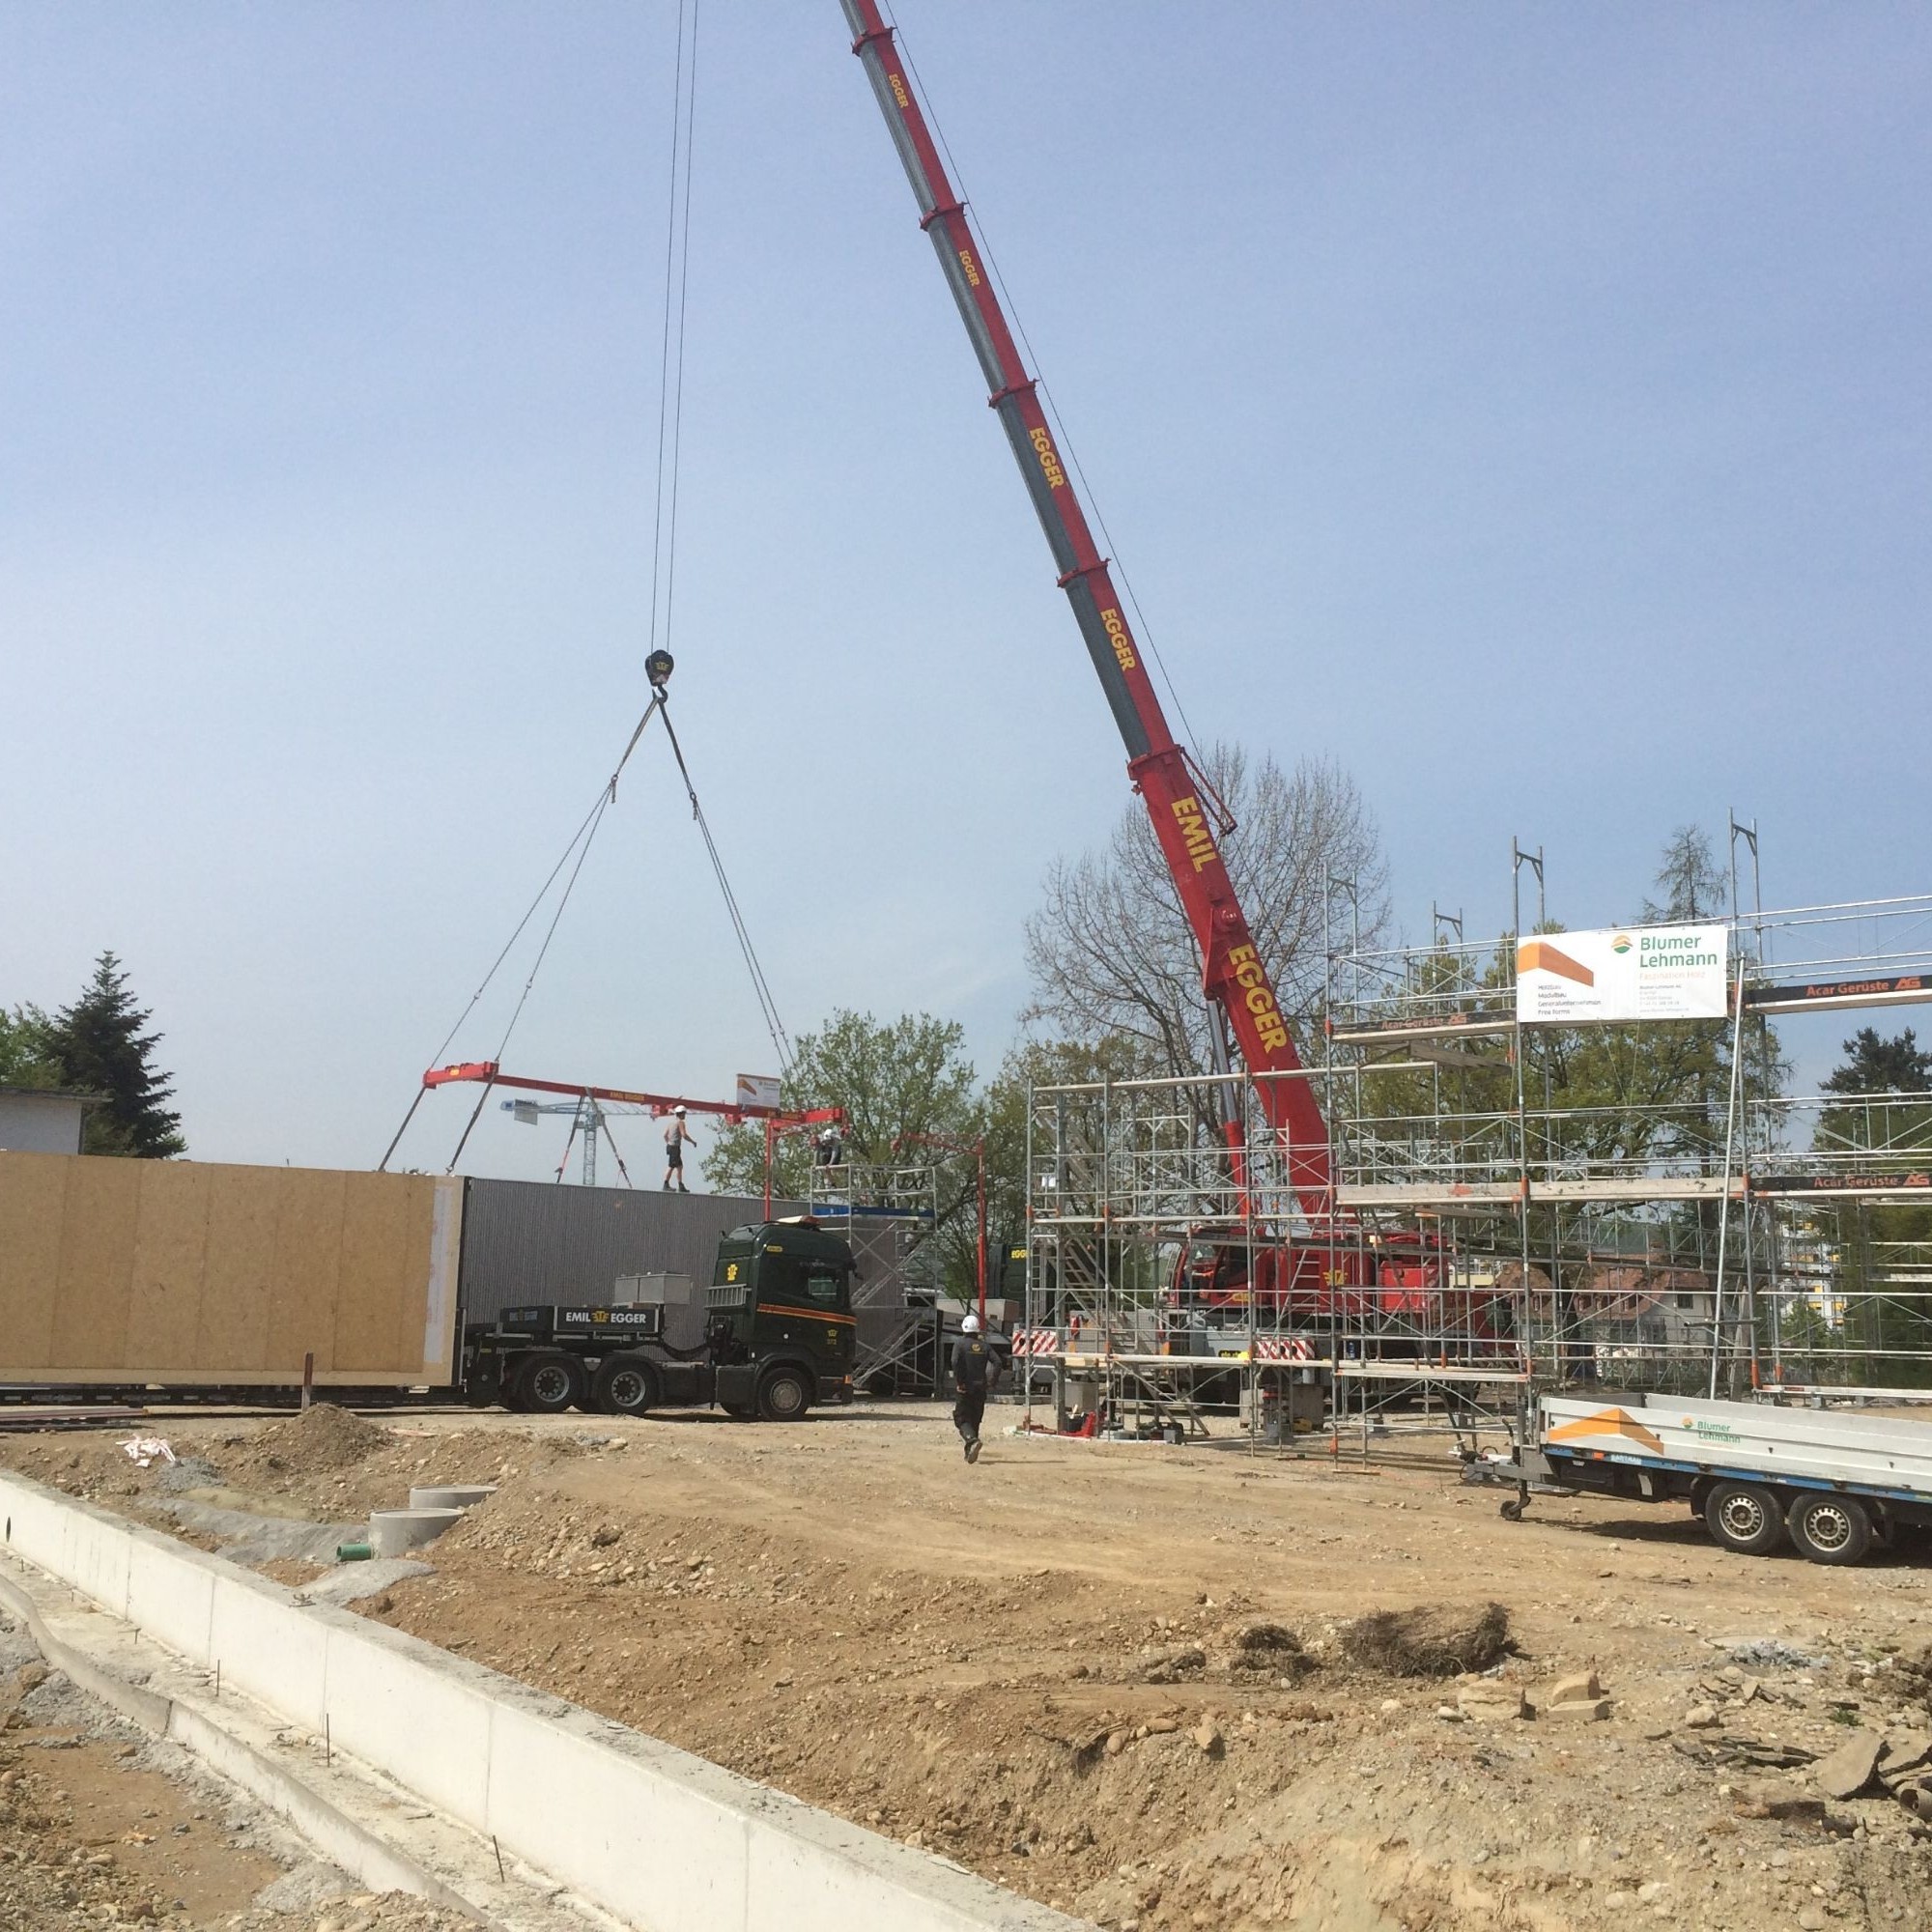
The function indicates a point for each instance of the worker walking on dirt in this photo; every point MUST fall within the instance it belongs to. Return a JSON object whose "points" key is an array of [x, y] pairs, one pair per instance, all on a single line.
{"points": [[973, 1372], [676, 1134]]}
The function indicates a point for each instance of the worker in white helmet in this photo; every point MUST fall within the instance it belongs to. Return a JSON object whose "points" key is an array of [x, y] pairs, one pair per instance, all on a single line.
{"points": [[676, 1134], [973, 1372]]}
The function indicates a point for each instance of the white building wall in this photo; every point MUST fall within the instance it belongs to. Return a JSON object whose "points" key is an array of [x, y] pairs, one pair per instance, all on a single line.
{"points": [[40, 1123]]}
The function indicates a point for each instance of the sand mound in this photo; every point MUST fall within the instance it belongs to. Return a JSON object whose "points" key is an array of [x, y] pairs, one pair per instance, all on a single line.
{"points": [[1428, 1642], [322, 1437]]}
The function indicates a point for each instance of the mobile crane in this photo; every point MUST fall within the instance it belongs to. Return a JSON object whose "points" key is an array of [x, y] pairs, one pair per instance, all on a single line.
{"points": [[1182, 807], [1216, 1281]]}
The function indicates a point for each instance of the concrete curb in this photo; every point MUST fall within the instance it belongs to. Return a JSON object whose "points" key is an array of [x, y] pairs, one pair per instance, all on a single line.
{"points": [[222, 1743], [661, 1839]]}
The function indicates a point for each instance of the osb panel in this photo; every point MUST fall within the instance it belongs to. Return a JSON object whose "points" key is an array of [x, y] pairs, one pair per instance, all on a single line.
{"points": [[233, 1329], [379, 1312], [170, 1261], [308, 1261], [174, 1272], [95, 1278], [32, 1186]]}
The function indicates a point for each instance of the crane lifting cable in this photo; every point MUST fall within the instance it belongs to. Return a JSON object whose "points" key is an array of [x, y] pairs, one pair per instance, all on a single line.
{"points": [[663, 578], [781, 1039]]}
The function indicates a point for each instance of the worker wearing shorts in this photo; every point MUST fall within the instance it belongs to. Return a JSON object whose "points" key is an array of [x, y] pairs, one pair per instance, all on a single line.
{"points": [[676, 1136], [972, 1373]]}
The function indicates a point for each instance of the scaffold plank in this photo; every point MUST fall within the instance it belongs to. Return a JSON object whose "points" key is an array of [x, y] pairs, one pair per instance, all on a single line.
{"points": [[1885, 989], [1912, 1185], [1507, 1193], [1428, 1371], [1421, 1027]]}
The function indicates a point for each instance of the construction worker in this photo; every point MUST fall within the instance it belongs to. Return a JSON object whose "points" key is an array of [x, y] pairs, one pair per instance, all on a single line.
{"points": [[676, 1134], [973, 1373]]}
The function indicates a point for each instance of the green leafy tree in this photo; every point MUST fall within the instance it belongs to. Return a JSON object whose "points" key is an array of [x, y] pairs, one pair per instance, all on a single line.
{"points": [[27, 1058], [895, 1081], [100, 1047], [1882, 1245]]}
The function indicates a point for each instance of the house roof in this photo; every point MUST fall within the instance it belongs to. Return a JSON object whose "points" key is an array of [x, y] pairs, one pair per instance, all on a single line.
{"points": [[51, 1094]]}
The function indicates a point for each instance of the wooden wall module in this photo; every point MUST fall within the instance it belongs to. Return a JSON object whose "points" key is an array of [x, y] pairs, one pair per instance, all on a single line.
{"points": [[178, 1272]]}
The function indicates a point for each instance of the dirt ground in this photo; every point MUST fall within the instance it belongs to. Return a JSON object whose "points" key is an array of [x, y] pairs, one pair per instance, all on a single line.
{"points": [[1114, 1677], [99, 1825]]}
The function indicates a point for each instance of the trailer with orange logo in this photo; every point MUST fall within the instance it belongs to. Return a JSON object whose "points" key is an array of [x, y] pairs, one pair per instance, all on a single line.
{"points": [[1756, 1474]]}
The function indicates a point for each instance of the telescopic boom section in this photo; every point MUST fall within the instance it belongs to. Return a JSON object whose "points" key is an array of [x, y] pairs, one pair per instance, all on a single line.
{"points": [[1234, 977]]}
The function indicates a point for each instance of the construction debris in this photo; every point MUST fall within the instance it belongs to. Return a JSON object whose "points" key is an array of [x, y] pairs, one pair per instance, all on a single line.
{"points": [[1429, 1641]]}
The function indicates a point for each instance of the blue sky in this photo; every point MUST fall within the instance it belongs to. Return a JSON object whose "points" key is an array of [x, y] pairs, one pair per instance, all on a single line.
{"points": [[1526, 406]]}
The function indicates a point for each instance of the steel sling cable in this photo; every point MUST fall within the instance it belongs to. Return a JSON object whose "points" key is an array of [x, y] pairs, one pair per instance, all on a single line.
{"points": [[781, 1039]]}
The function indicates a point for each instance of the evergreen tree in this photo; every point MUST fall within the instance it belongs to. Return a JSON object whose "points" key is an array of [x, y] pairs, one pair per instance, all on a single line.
{"points": [[1874, 1064], [1694, 887], [100, 1048]]}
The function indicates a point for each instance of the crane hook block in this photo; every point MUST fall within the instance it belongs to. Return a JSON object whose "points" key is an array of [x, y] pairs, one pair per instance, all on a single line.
{"points": [[658, 667]]}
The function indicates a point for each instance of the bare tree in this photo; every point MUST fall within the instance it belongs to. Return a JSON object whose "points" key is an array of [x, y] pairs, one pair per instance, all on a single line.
{"points": [[1111, 952]]}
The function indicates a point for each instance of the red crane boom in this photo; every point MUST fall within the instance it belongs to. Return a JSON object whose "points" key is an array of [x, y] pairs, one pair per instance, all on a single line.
{"points": [[1234, 978]]}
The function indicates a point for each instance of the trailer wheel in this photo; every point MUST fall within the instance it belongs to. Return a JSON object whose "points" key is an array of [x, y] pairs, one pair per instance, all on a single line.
{"points": [[548, 1384], [1745, 1517], [625, 1385], [1829, 1529], [783, 1396]]}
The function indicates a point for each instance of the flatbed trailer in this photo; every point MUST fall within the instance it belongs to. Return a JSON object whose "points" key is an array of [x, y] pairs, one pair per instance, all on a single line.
{"points": [[1755, 1472]]}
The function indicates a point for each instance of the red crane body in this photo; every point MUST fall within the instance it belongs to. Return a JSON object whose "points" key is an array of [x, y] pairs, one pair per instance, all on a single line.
{"points": [[1234, 977]]}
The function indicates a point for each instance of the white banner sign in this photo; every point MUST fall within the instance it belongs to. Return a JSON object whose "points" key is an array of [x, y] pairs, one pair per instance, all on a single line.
{"points": [[757, 1090], [1629, 972]]}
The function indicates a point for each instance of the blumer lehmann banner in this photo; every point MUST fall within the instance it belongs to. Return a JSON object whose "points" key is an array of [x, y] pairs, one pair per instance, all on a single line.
{"points": [[1625, 973]]}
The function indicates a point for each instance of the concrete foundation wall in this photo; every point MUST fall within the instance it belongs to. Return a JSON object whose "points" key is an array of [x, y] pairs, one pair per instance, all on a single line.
{"points": [[664, 1840]]}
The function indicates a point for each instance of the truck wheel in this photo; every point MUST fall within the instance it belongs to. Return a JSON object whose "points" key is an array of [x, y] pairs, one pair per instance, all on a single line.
{"points": [[625, 1385], [548, 1384], [1745, 1517], [1830, 1528], [783, 1396]]}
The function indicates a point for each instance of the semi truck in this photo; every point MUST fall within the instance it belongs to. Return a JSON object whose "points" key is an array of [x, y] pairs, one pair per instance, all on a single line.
{"points": [[1757, 1474], [778, 1338], [152, 1280]]}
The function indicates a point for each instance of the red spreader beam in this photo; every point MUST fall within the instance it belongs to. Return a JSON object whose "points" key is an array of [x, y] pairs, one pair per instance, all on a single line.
{"points": [[486, 1073]]}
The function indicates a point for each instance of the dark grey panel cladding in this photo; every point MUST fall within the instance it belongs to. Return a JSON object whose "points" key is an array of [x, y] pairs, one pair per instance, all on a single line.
{"points": [[536, 1240]]}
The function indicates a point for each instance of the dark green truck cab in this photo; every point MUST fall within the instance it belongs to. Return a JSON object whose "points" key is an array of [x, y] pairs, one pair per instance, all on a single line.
{"points": [[780, 1336]]}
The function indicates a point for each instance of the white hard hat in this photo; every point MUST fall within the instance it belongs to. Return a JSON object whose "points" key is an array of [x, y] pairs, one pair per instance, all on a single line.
{"points": [[677, 1110], [971, 1325]]}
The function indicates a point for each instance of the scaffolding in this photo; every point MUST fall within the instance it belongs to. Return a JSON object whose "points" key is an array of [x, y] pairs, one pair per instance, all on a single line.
{"points": [[890, 1215], [1725, 1234]]}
